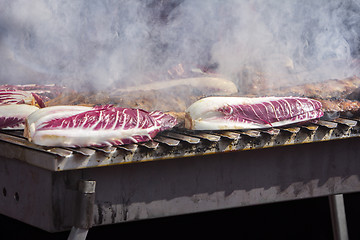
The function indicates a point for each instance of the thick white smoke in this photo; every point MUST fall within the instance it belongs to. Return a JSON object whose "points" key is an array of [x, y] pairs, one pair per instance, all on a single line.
{"points": [[73, 42], [100, 44], [295, 41]]}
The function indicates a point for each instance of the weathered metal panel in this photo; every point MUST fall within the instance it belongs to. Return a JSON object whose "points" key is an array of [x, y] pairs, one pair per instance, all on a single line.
{"points": [[42, 198], [26, 193], [211, 182], [128, 192]]}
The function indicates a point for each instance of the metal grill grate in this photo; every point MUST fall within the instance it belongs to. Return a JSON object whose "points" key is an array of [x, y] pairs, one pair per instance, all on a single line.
{"points": [[174, 144]]}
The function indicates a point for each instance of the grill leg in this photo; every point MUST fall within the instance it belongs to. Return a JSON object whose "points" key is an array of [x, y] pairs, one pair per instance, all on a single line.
{"points": [[84, 214], [78, 234], [338, 217]]}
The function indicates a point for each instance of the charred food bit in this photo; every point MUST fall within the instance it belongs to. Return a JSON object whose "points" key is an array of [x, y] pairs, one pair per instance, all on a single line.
{"points": [[219, 113], [76, 126]]}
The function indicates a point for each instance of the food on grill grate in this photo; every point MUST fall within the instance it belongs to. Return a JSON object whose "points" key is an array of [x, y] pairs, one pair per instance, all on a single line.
{"points": [[176, 101], [334, 108], [79, 126], [20, 97], [339, 97], [179, 93], [12, 116], [214, 85], [45, 92], [332, 88], [219, 113], [15, 106]]}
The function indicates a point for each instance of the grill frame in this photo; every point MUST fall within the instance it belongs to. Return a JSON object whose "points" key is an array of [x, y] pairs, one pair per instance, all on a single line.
{"points": [[242, 168]]}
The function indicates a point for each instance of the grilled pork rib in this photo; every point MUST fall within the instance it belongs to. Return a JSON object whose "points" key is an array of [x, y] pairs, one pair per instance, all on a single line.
{"points": [[218, 113], [74, 126]]}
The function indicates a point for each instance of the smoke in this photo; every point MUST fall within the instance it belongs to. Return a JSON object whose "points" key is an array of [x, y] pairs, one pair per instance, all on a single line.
{"points": [[74, 42], [290, 41], [101, 44]]}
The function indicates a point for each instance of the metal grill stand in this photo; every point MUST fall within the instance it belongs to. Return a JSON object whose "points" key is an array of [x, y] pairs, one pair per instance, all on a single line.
{"points": [[338, 217], [84, 207]]}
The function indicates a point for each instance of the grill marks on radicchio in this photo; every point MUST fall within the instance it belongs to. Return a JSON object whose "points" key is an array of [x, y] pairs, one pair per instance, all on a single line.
{"points": [[98, 126], [216, 113]]}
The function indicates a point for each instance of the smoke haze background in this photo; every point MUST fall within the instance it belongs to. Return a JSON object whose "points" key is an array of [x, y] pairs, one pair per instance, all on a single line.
{"points": [[99, 44]]}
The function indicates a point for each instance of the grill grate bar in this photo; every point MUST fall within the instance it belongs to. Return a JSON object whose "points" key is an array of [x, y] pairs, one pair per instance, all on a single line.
{"points": [[16, 133], [354, 118], [251, 133], [346, 122], [326, 124], [106, 150], [292, 130], [310, 127], [21, 141], [167, 141], [82, 151], [128, 147], [202, 135], [227, 134], [182, 137], [271, 131], [149, 144]]}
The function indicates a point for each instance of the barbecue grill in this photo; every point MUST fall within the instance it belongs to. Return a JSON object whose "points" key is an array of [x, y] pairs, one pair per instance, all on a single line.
{"points": [[179, 172]]}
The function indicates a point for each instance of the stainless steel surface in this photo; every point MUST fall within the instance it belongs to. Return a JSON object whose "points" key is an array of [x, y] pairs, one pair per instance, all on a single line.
{"points": [[338, 217]]}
